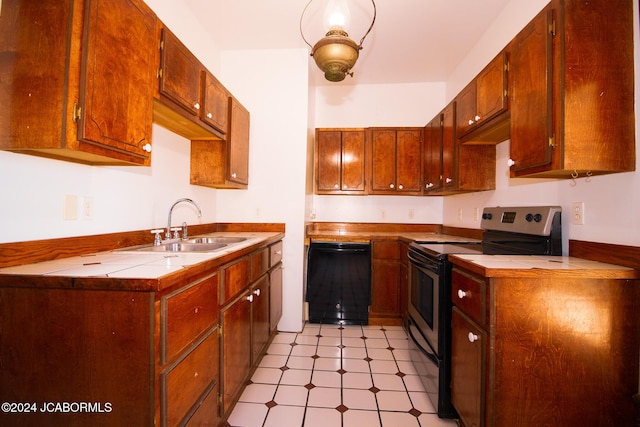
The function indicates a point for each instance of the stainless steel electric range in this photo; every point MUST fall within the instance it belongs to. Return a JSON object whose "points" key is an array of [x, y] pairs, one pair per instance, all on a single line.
{"points": [[534, 230]]}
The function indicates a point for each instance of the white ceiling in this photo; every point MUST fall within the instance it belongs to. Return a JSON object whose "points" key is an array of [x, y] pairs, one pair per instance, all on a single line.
{"points": [[411, 41]]}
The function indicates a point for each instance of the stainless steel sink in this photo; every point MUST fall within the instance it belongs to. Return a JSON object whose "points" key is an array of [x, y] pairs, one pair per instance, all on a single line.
{"points": [[217, 239], [183, 247], [195, 244]]}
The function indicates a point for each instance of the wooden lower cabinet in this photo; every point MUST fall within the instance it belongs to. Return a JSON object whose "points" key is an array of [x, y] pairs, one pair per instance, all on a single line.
{"points": [[235, 320], [246, 320], [386, 272], [544, 349]]}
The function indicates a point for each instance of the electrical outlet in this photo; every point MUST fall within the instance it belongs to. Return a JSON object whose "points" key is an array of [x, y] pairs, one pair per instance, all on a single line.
{"points": [[411, 214], [383, 214], [87, 208], [577, 213]]}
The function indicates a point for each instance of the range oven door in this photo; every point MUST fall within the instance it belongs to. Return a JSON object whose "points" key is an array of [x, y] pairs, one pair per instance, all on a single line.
{"points": [[424, 295]]}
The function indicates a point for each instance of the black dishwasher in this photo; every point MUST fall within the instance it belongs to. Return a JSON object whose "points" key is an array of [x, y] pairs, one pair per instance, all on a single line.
{"points": [[339, 282]]}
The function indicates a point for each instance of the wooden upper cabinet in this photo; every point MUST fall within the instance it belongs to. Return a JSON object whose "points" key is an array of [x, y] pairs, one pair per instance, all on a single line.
{"points": [[465, 168], [340, 161], [396, 160], [573, 114], [191, 102], [531, 88], [79, 85], [180, 76], [238, 143], [480, 107], [432, 168], [215, 102]]}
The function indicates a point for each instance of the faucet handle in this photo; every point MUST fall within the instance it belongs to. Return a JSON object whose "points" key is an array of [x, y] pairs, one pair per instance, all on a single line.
{"points": [[157, 239], [185, 233], [176, 234]]}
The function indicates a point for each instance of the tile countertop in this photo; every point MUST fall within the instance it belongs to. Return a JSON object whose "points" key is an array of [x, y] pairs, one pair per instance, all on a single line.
{"points": [[540, 266], [127, 264], [365, 236]]}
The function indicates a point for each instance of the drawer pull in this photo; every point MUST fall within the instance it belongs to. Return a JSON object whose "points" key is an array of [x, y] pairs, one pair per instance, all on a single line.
{"points": [[472, 337], [257, 292], [462, 294], [195, 310], [196, 375], [250, 298]]}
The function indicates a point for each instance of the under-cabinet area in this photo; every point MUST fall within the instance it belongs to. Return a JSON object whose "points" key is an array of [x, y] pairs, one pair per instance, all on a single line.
{"points": [[132, 341]]}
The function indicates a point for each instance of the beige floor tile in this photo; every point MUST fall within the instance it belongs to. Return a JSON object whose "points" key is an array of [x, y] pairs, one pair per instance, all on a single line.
{"points": [[285, 416], [322, 417], [296, 377], [359, 399], [258, 393], [357, 380], [248, 415], [324, 397], [357, 418], [291, 395]]}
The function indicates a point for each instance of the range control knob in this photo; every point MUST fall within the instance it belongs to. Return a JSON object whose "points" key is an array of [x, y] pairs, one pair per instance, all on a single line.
{"points": [[529, 217], [537, 217], [487, 216]]}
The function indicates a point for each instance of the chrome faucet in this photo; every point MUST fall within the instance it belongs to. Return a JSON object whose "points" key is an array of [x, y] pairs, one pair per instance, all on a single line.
{"points": [[167, 234]]}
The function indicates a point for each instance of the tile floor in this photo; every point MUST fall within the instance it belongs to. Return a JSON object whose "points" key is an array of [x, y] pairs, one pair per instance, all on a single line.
{"points": [[333, 376]]}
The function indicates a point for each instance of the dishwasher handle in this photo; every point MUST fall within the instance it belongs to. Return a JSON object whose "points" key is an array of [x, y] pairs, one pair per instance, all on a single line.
{"points": [[343, 247]]}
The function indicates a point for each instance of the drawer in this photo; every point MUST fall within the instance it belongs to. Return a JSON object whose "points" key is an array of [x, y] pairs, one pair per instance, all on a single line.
{"points": [[235, 278], [259, 263], [184, 384], [469, 294], [275, 253], [385, 249], [186, 314]]}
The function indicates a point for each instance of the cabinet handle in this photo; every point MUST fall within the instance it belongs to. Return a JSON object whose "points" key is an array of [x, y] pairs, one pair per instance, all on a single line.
{"points": [[146, 147], [257, 292], [196, 310], [233, 175], [392, 186], [477, 118], [429, 185], [250, 298], [209, 115], [462, 294], [448, 180], [400, 187], [196, 106], [278, 252], [470, 122], [472, 337], [336, 186], [511, 162]]}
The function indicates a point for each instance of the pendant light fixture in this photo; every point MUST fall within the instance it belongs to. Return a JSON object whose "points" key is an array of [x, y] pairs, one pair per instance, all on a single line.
{"points": [[336, 54]]}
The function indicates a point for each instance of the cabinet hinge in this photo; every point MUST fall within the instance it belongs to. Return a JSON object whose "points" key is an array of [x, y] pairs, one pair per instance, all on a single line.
{"points": [[552, 141], [506, 66], [161, 45], [159, 73], [77, 112], [552, 28], [506, 93]]}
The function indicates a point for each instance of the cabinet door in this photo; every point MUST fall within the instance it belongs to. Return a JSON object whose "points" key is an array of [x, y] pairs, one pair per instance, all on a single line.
{"points": [[275, 297], [467, 369], [180, 80], [383, 142], [385, 277], [238, 140], [449, 175], [491, 86], [215, 102], [466, 109], [118, 77], [260, 328], [352, 161], [433, 155], [328, 160], [531, 86], [236, 348], [409, 160]]}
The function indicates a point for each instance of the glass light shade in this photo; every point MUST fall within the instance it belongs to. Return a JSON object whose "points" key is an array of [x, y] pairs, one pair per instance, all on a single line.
{"points": [[337, 16]]}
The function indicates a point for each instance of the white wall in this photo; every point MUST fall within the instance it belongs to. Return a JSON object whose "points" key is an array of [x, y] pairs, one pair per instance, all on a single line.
{"points": [[277, 98]]}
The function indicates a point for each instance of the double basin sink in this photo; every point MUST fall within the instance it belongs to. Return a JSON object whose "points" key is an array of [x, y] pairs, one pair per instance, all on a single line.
{"points": [[196, 244]]}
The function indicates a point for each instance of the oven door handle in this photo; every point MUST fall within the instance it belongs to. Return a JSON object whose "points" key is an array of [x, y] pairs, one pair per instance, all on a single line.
{"points": [[429, 355], [422, 263]]}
